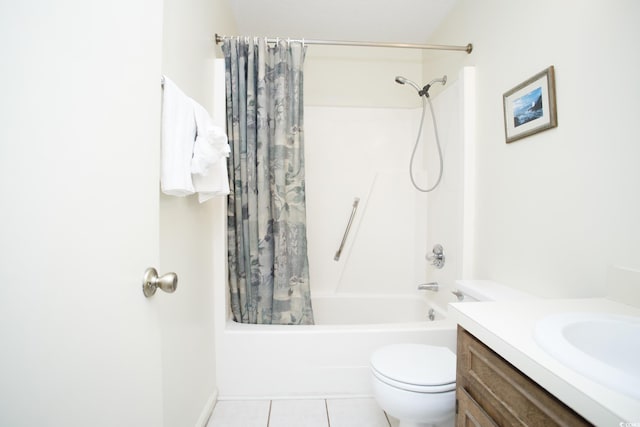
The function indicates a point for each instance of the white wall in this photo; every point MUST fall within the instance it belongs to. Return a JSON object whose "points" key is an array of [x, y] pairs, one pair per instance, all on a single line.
{"points": [[554, 210], [191, 234], [345, 76]]}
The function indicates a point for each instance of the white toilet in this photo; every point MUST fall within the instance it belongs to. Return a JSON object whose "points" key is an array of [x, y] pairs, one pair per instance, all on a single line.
{"points": [[416, 383]]}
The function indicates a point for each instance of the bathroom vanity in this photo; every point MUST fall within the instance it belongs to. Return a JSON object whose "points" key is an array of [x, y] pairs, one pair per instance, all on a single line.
{"points": [[490, 391], [504, 377]]}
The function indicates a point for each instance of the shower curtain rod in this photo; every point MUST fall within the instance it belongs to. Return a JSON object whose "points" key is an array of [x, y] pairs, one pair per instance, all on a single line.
{"points": [[468, 48]]}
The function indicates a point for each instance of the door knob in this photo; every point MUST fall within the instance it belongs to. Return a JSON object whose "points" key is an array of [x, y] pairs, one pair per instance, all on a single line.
{"points": [[150, 282]]}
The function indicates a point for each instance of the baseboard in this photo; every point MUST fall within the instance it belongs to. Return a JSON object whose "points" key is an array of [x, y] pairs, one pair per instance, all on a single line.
{"points": [[207, 410]]}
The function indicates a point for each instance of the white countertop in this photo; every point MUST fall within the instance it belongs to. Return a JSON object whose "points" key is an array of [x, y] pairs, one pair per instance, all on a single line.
{"points": [[507, 327]]}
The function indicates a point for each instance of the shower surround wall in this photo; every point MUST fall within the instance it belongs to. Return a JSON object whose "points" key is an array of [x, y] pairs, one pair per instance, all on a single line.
{"points": [[363, 152], [360, 127]]}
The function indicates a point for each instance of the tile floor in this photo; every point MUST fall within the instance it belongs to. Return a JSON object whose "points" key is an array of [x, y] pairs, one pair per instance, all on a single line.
{"points": [[300, 413]]}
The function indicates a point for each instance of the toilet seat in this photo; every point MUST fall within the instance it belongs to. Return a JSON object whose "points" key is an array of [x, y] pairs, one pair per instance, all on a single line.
{"points": [[415, 367]]}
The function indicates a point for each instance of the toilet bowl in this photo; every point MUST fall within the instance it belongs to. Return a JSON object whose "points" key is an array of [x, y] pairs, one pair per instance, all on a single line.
{"points": [[415, 383]]}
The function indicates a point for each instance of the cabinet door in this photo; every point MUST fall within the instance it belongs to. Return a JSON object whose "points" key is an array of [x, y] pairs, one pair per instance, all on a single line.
{"points": [[505, 394]]}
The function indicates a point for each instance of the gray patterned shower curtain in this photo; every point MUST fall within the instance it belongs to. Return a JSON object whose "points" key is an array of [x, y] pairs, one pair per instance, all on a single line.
{"points": [[268, 264]]}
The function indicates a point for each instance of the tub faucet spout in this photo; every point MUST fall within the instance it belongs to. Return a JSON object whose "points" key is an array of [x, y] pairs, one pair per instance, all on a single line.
{"points": [[432, 286]]}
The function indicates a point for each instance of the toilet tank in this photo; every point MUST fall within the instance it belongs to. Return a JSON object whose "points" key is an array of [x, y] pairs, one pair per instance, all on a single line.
{"points": [[487, 290]]}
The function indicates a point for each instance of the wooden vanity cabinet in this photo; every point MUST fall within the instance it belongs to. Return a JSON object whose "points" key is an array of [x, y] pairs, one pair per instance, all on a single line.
{"points": [[492, 392]]}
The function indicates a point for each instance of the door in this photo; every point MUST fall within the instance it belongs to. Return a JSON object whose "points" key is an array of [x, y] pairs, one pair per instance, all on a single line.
{"points": [[79, 148]]}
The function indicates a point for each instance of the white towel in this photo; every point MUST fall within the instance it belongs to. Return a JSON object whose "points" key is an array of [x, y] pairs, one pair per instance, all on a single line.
{"points": [[194, 150], [211, 143], [178, 135], [209, 162], [214, 184]]}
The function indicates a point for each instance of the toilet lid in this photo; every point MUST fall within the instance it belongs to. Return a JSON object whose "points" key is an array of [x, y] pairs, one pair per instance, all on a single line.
{"points": [[418, 365]]}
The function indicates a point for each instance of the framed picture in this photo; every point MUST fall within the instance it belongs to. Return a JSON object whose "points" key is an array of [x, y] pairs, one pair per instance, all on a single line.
{"points": [[530, 107]]}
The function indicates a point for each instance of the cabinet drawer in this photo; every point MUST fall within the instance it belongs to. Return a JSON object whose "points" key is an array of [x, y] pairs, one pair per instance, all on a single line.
{"points": [[469, 413], [507, 396]]}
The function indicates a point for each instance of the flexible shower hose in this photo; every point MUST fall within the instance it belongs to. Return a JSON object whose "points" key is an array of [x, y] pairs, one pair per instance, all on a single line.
{"points": [[415, 147]]}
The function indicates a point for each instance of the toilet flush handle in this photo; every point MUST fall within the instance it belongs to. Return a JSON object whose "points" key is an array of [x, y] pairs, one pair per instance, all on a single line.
{"points": [[150, 282], [458, 294]]}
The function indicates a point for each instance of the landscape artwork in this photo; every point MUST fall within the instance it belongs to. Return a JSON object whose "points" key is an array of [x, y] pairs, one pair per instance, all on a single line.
{"points": [[527, 107], [530, 107]]}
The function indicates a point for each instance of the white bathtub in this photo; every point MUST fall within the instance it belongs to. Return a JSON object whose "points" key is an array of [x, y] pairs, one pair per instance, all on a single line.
{"points": [[327, 359], [355, 309]]}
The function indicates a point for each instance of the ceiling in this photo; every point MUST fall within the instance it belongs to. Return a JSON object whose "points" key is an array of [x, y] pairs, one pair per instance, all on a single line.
{"points": [[402, 21]]}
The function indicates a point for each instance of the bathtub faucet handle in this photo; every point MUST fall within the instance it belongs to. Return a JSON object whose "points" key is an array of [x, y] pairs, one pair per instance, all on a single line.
{"points": [[436, 258], [432, 286]]}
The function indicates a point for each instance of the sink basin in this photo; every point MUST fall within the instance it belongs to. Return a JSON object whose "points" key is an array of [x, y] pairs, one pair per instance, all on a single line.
{"points": [[603, 347]]}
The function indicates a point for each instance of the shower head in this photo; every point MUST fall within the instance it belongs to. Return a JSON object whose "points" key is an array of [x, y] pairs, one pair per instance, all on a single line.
{"points": [[425, 90]]}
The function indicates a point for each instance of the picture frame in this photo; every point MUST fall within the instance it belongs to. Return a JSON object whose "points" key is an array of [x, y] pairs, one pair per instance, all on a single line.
{"points": [[530, 107]]}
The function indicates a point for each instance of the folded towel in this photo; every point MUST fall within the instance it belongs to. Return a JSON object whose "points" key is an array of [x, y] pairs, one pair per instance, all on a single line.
{"points": [[194, 150], [210, 145], [178, 135], [209, 162], [216, 183]]}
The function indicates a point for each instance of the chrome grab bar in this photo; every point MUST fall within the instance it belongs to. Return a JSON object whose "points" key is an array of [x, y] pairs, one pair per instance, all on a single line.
{"points": [[346, 231]]}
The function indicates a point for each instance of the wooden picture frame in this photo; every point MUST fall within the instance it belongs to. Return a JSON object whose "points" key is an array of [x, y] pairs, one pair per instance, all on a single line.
{"points": [[530, 107]]}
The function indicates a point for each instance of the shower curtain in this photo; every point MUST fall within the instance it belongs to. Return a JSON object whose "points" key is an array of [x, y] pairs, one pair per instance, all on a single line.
{"points": [[268, 264]]}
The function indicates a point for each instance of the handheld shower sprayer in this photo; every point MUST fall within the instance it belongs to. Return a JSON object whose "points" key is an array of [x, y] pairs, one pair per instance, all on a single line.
{"points": [[425, 90], [424, 95], [404, 80]]}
